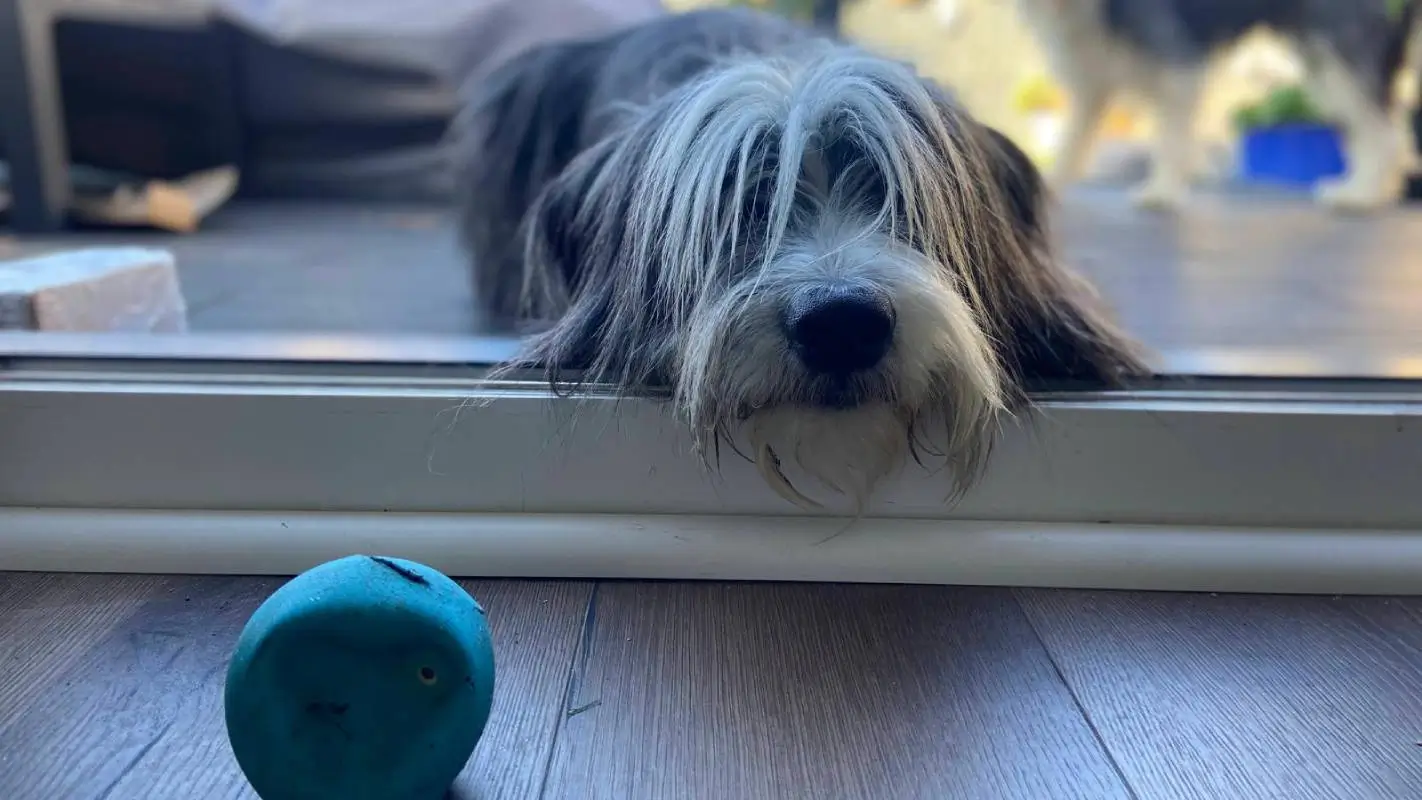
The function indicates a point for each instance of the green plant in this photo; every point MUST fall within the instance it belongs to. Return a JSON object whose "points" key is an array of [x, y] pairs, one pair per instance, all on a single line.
{"points": [[1285, 105]]}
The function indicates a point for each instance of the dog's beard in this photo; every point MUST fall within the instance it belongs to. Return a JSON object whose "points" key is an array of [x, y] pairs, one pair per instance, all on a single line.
{"points": [[847, 451], [936, 392]]}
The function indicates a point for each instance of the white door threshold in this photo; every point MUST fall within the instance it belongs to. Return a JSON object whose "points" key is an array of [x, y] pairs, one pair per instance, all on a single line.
{"points": [[728, 547]]}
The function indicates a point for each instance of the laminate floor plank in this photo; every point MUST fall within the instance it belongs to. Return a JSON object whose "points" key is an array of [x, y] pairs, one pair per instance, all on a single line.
{"points": [[764, 691], [110, 689], [1251, 697], [47, 621], [536, 627], [138, 716]]}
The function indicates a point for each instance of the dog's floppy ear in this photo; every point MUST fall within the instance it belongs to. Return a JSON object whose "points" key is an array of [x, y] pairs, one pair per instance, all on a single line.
{"points": [[559, 228], [516, 130], [1023, 189], [567, 282], [1012, 172], [1056, 330]]}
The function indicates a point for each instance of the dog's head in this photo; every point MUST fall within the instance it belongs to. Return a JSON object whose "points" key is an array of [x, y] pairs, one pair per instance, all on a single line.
{"points": [[823, 252]]}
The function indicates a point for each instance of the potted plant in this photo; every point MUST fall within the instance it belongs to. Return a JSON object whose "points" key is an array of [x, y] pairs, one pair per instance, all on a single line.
{"points": [[1285, 139]]}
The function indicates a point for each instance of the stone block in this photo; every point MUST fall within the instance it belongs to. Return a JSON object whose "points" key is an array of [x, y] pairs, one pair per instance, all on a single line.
{"points": [[104, 289]]}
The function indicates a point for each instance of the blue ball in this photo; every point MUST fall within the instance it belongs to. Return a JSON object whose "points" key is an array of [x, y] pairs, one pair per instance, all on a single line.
{"points": [[365, 678]]}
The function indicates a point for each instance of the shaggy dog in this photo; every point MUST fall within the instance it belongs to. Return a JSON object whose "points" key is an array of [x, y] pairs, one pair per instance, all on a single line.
{"points": [[1159, 50], [816, 253]]}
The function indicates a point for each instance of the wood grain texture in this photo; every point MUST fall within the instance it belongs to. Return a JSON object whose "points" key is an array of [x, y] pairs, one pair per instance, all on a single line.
{"points": [[536, 627], [47, 621], [1268, 698], [138, 714], [111, 686], [779, 691]]}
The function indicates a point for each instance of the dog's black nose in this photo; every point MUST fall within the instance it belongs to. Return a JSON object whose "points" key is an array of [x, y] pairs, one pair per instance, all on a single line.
{"points": [[839, 330]]}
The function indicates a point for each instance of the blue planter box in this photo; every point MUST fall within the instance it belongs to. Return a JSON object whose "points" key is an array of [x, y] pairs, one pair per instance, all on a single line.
{"points": [[1293, 155]]}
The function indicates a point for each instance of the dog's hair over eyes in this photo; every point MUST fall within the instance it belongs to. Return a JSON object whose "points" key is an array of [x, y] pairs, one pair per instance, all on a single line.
{"points": [[659, 198]]}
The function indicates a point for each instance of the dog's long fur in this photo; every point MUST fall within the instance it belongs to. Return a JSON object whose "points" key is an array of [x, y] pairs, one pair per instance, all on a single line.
{"points": [[1159, 50], [658, 198]]}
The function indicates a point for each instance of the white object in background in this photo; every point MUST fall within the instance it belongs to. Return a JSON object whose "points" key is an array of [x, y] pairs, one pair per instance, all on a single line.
{"points": [[1046, 132], [949, 13], [1266, 62], [127, 289]]}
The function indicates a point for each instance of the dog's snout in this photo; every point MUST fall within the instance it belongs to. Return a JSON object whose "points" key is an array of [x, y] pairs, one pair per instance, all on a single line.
{"points": [[840, 329]]}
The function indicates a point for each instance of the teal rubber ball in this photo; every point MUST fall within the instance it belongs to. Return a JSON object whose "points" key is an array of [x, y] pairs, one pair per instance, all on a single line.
{"points": [[365, 678]]}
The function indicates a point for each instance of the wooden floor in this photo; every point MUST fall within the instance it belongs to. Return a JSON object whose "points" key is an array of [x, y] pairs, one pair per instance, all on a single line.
{"points": [[110, 689]]}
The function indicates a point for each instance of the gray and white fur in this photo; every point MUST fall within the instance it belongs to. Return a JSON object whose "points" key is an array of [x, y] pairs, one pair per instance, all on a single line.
{"points": [[1159, 50], [814, 251]]}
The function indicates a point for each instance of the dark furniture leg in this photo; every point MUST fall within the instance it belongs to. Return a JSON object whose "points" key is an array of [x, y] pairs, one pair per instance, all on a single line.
{"points": [[32, 118], [1417, 123], [1414, 180], [826, 14]]}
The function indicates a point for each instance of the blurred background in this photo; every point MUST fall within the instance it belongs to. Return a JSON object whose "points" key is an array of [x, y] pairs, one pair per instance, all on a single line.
{"points": [[288, 155]]}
